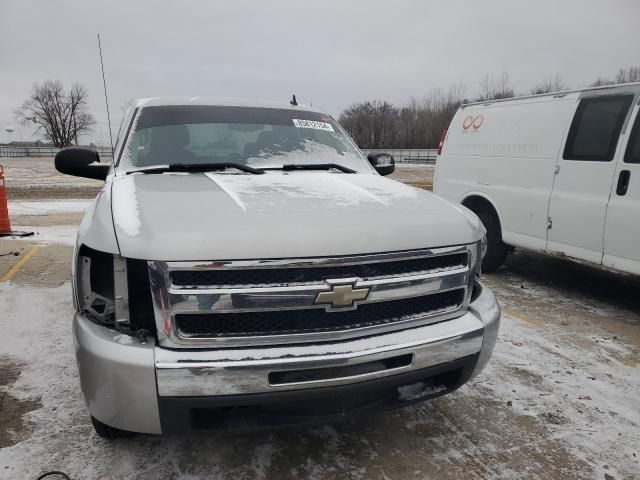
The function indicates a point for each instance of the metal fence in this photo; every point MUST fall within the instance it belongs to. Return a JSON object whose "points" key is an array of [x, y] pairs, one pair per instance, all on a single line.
{"points": [[13, 151], [408, 155]]}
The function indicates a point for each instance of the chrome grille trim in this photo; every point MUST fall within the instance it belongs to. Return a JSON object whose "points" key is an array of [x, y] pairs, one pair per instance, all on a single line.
{"points": [[312, 321], [190, 278], [319, 261], [170, 299]]}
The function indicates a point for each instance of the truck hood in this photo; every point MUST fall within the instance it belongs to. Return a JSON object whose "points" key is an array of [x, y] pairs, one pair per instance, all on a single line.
{"points": [[223, 216]]}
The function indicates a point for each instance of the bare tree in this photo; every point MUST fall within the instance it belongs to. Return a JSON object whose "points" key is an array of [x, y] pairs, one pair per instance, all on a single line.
{"points": [[550, 85], [61, 115], [371, 123], [624, 75], [631, 74], [494, 88], [601, 82], [417, 124], [423, 121]]}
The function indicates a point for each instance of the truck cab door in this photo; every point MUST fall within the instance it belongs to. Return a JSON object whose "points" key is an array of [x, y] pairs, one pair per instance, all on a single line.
{"points": [[581, 189], [622, 229]]}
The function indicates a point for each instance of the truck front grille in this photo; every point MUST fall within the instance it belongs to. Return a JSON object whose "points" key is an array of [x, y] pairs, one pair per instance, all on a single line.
{"points": [[314, 274], [289, 322], [233, 303]]}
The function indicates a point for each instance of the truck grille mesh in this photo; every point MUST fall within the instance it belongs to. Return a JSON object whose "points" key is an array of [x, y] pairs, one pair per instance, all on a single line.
{"points": [[307, 275], [315, 320]]}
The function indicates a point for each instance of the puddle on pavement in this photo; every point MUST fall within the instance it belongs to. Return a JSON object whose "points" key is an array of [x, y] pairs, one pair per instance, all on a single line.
{"points": [[13, 426]]}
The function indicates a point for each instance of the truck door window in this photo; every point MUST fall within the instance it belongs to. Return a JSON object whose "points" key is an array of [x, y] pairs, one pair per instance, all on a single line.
{"points": [[633, 148], [595, 128]]}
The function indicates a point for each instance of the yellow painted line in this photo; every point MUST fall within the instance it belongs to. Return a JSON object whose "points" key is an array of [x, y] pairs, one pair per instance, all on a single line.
{"points": [[424, 185], [13, 270], [629, 362], [518, 315]]}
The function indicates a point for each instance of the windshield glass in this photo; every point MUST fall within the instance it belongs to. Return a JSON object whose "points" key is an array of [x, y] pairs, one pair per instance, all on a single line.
{"points": [[258, 137]]}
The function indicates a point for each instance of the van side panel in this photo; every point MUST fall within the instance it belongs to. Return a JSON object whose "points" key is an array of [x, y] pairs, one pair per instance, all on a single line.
{"points": [[508, 151]]}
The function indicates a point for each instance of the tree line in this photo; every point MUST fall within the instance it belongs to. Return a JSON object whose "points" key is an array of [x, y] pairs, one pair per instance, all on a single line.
{"points": [[61, 115], [419, 123]]}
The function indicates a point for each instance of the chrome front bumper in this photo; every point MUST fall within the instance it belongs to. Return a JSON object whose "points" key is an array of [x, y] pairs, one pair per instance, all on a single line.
{"points": [[122, 379]]}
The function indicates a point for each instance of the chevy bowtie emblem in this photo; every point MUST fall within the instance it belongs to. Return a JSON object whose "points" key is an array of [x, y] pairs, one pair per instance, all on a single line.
{"points": [[343, 294]]}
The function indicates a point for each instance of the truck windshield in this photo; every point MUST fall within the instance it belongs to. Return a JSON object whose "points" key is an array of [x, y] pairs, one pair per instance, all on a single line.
{"points": [[257, 137]]}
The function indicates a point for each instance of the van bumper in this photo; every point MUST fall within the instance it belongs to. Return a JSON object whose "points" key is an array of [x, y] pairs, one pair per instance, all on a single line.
{"points": [[148, 389]]}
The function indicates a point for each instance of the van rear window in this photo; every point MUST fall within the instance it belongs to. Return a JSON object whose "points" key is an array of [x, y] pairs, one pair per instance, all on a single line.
{"points": [[595, 128]]}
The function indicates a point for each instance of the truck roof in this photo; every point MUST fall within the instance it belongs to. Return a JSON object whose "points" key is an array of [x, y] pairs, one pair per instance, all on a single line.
{"points": [[622, 87], [219, 101]]}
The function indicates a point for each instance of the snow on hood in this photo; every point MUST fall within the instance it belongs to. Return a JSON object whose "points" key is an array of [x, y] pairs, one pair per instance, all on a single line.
{"points": [[125, 208], [204, 216]]}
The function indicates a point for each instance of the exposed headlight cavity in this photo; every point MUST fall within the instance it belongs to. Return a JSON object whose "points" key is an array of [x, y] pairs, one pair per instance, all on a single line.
{"points": [[114, 291], [94, 282]]}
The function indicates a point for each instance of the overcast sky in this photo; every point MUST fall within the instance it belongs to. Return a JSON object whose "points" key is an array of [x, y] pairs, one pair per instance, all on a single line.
{"points": [[331, 53]]}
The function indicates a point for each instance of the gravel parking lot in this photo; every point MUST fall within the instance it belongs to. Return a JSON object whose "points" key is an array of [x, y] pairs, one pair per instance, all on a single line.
{"points": [[558, 400], [36, 177]]}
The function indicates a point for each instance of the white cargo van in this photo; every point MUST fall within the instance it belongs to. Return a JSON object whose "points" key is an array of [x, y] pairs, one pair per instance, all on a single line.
{"points": [[558, 173]]}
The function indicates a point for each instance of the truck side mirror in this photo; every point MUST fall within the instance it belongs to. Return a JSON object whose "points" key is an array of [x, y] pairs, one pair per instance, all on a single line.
{"points": [[81, 162], [382, 162]]}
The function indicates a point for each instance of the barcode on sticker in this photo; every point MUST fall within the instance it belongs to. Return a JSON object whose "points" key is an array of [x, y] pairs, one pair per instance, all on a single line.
{"points": [[313, 124]]}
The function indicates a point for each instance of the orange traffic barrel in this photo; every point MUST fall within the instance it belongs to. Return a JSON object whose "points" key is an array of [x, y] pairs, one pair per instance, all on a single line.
{"points": [[5, 224]]}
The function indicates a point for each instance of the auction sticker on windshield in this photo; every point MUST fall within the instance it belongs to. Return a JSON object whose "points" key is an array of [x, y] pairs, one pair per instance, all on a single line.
{"points": [[313, 124]]}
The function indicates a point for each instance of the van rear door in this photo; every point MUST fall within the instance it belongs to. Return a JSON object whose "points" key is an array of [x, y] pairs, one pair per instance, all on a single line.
{"points": [[582, 186], [622, 230]]}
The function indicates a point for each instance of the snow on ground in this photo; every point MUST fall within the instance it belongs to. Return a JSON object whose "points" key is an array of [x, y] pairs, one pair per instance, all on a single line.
{"points": [[32, 173], [49, 219], [62, 234], [557, 400], [543, 409], [413, 173], [589, 400], [47, 207]]}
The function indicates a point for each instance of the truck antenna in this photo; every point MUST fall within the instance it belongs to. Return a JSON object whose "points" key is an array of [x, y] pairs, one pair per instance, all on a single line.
{"points": [[293, 101], [106, 100]]}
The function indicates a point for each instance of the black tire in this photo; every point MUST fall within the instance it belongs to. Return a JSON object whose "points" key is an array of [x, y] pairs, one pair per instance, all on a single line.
{"points": [[110, 433], [496, 249]]}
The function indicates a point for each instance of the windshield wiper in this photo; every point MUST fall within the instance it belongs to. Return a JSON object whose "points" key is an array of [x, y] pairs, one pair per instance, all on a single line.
{"points": [[288, 167], [198, 167]]}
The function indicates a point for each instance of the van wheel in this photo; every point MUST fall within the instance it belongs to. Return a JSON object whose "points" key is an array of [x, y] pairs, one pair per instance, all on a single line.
{"points": [[110, 433], [496, 249]]}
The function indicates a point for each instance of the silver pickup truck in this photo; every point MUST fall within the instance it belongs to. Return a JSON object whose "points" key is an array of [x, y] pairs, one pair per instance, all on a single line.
{"points": [[245, 266]]}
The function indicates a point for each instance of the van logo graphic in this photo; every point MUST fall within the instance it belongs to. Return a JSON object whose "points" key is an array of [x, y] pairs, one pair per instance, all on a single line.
{"points": [[343, 294], [471, 121]]}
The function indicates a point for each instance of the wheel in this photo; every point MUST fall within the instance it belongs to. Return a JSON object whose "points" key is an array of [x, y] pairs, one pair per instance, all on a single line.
{"points": [[105, 431], [496, 249]]}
